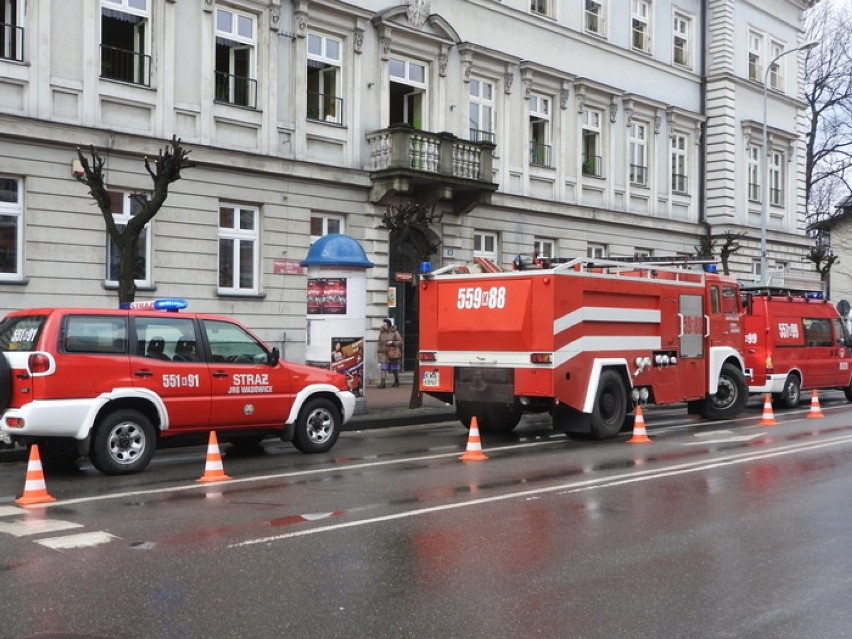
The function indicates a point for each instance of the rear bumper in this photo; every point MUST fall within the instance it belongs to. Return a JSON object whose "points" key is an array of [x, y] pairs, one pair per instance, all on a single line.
{"points": [[774, 384], [66, 418]]}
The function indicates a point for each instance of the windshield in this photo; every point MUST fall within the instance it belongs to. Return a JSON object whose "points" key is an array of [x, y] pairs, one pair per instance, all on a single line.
{"points": [[20, 333]]}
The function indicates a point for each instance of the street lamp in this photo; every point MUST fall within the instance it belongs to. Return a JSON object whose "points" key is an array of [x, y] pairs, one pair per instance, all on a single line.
{"points": [[764, 200]]}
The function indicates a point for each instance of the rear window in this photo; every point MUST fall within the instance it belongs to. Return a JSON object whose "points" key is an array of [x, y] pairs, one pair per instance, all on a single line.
{"points": [[20, 333], [95, 334]]}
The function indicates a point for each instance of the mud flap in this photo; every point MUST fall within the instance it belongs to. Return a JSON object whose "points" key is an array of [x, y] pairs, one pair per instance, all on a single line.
{"points": [[571, 420]]}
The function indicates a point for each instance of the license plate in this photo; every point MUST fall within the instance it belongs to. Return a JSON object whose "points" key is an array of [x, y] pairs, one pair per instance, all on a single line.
{"points": [[431, 379]]}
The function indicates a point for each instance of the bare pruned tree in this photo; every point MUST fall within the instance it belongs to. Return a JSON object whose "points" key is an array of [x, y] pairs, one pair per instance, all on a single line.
{"points": [[828, 94], [164, 170]]}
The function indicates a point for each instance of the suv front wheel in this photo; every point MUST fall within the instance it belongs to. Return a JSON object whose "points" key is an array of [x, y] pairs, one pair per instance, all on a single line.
{"points": [[123, 443], [318, 426]]}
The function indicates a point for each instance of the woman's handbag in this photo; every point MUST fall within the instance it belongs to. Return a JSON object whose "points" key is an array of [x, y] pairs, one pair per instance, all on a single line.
{"points": [[393, 352]]}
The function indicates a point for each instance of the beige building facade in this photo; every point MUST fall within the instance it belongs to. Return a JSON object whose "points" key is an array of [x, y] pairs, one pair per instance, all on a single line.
{"points": [[602, 128]]}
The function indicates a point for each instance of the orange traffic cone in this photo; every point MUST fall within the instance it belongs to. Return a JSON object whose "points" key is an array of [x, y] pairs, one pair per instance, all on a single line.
{"points": [[768, 418], [640, 435], [213, 470], [815, 412], [35, 490], [473, 452]]}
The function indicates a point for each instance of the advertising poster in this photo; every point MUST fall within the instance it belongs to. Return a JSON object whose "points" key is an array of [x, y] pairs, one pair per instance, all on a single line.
{"points": [[327, 296], [347, 358]]}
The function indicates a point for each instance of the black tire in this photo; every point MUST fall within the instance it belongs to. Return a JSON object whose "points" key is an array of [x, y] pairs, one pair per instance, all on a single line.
{"points": [[58, 451], [730, 397], [465, 411], [610, 409], [791, 394], [5, 382], [123, 443], [318, 426], [848, 392], [500, 418]]}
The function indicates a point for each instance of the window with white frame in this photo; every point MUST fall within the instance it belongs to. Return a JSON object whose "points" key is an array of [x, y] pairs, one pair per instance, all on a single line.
{"points": [[643, 253], [324, 77], [544, 247], [239, 235], [407, 92], [753, 158], [12, 30], [596, 251], [125, 41], [595, 16], [124, 206], [481, 111], [236, 44], [641, 26], [485, 245], [775, 76], [542, 7], [540, 148], [11, 228], [679, 163], [776, 178], [639, 154], [682, 38], [755, 56], [325, 224], [592, 162]]}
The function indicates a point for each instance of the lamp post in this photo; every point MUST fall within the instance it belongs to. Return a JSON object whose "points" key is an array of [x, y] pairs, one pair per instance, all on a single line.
{"points": [[764, 200]]}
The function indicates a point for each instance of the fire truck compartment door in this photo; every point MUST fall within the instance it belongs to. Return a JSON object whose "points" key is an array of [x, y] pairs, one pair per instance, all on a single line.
{"points": [[691, 337]]}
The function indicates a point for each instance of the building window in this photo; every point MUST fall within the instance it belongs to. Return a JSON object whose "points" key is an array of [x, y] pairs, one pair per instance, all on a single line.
{"points": [[324, 101], [481, 111], [682, 52], [641, 26], [124, 206], [540, 148], [775, 77], [545, 248], [639, 154], [542, 7], [322, 224], [12, 30], [407, 92], [595, 14], [485, 245], [125, 41], [596, 251], [753, 154], [643, 253], [776, 179], [755, 56], [591, 141], [235, 58], [11, 228], [680, 169], [238, 249]]}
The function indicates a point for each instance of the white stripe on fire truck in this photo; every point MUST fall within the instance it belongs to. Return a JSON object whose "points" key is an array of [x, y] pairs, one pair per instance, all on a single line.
{"points": [[606, 344], [606, 314]]}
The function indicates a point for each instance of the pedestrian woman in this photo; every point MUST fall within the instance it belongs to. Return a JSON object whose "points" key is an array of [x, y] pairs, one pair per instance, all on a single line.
{"points": [[389, 352]]}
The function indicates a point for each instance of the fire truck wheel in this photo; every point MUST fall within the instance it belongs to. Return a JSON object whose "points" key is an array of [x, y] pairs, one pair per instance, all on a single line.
{"points": [[5, 382], [610, 407], [791, 394], [848, 392], [464, 412], [501, 418], [318, 426], [730, 397], [123, 443]]}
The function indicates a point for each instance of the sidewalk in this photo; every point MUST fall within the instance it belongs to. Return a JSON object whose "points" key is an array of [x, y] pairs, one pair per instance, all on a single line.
{"points": [[383, 407]]}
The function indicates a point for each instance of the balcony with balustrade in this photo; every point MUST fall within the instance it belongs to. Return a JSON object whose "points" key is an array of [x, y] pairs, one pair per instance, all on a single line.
{"points": [[405, 161]]}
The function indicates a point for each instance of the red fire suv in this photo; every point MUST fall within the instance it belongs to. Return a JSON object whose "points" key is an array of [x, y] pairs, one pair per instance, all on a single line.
{"points": [[794, 342], [110, 383]]}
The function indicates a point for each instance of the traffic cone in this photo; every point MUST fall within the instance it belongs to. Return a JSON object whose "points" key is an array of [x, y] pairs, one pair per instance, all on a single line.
{"points": [[768, 418], [35, 490], [473, 452], [815, 412], [640, 435], [213, 470]]}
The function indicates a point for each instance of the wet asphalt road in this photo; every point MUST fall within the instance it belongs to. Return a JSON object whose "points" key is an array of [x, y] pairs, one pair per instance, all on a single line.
{"points": [[712, 530]]}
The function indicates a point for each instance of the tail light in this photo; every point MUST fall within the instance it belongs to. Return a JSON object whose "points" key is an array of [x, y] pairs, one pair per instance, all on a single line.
{"points": [[541, 358], [38, 363], [427, 356]]}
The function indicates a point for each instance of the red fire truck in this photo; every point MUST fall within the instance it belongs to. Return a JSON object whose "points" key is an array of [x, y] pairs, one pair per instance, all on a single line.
{"points": [[584, 340]]}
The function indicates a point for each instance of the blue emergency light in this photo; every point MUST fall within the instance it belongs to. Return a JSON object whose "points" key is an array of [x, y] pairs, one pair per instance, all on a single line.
{"points": [[425, 267]]}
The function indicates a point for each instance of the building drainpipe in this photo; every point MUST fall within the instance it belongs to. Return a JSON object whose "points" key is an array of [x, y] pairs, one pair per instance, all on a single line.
{"points": [[702, 154]]}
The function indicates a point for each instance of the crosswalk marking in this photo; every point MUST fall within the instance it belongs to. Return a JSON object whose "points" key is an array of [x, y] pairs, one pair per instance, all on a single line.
{"points": [[82, 540]]}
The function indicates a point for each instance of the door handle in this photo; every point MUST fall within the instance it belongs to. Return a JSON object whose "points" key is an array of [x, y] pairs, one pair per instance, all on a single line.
{"points": [[220, 374], [143, 373]]}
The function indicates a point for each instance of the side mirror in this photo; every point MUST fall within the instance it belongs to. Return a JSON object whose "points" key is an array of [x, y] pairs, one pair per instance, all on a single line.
{"points": [[274, 356]]}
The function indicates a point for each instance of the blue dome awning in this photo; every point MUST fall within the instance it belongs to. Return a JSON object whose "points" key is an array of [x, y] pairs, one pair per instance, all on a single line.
{"points": [[336, 250]]}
